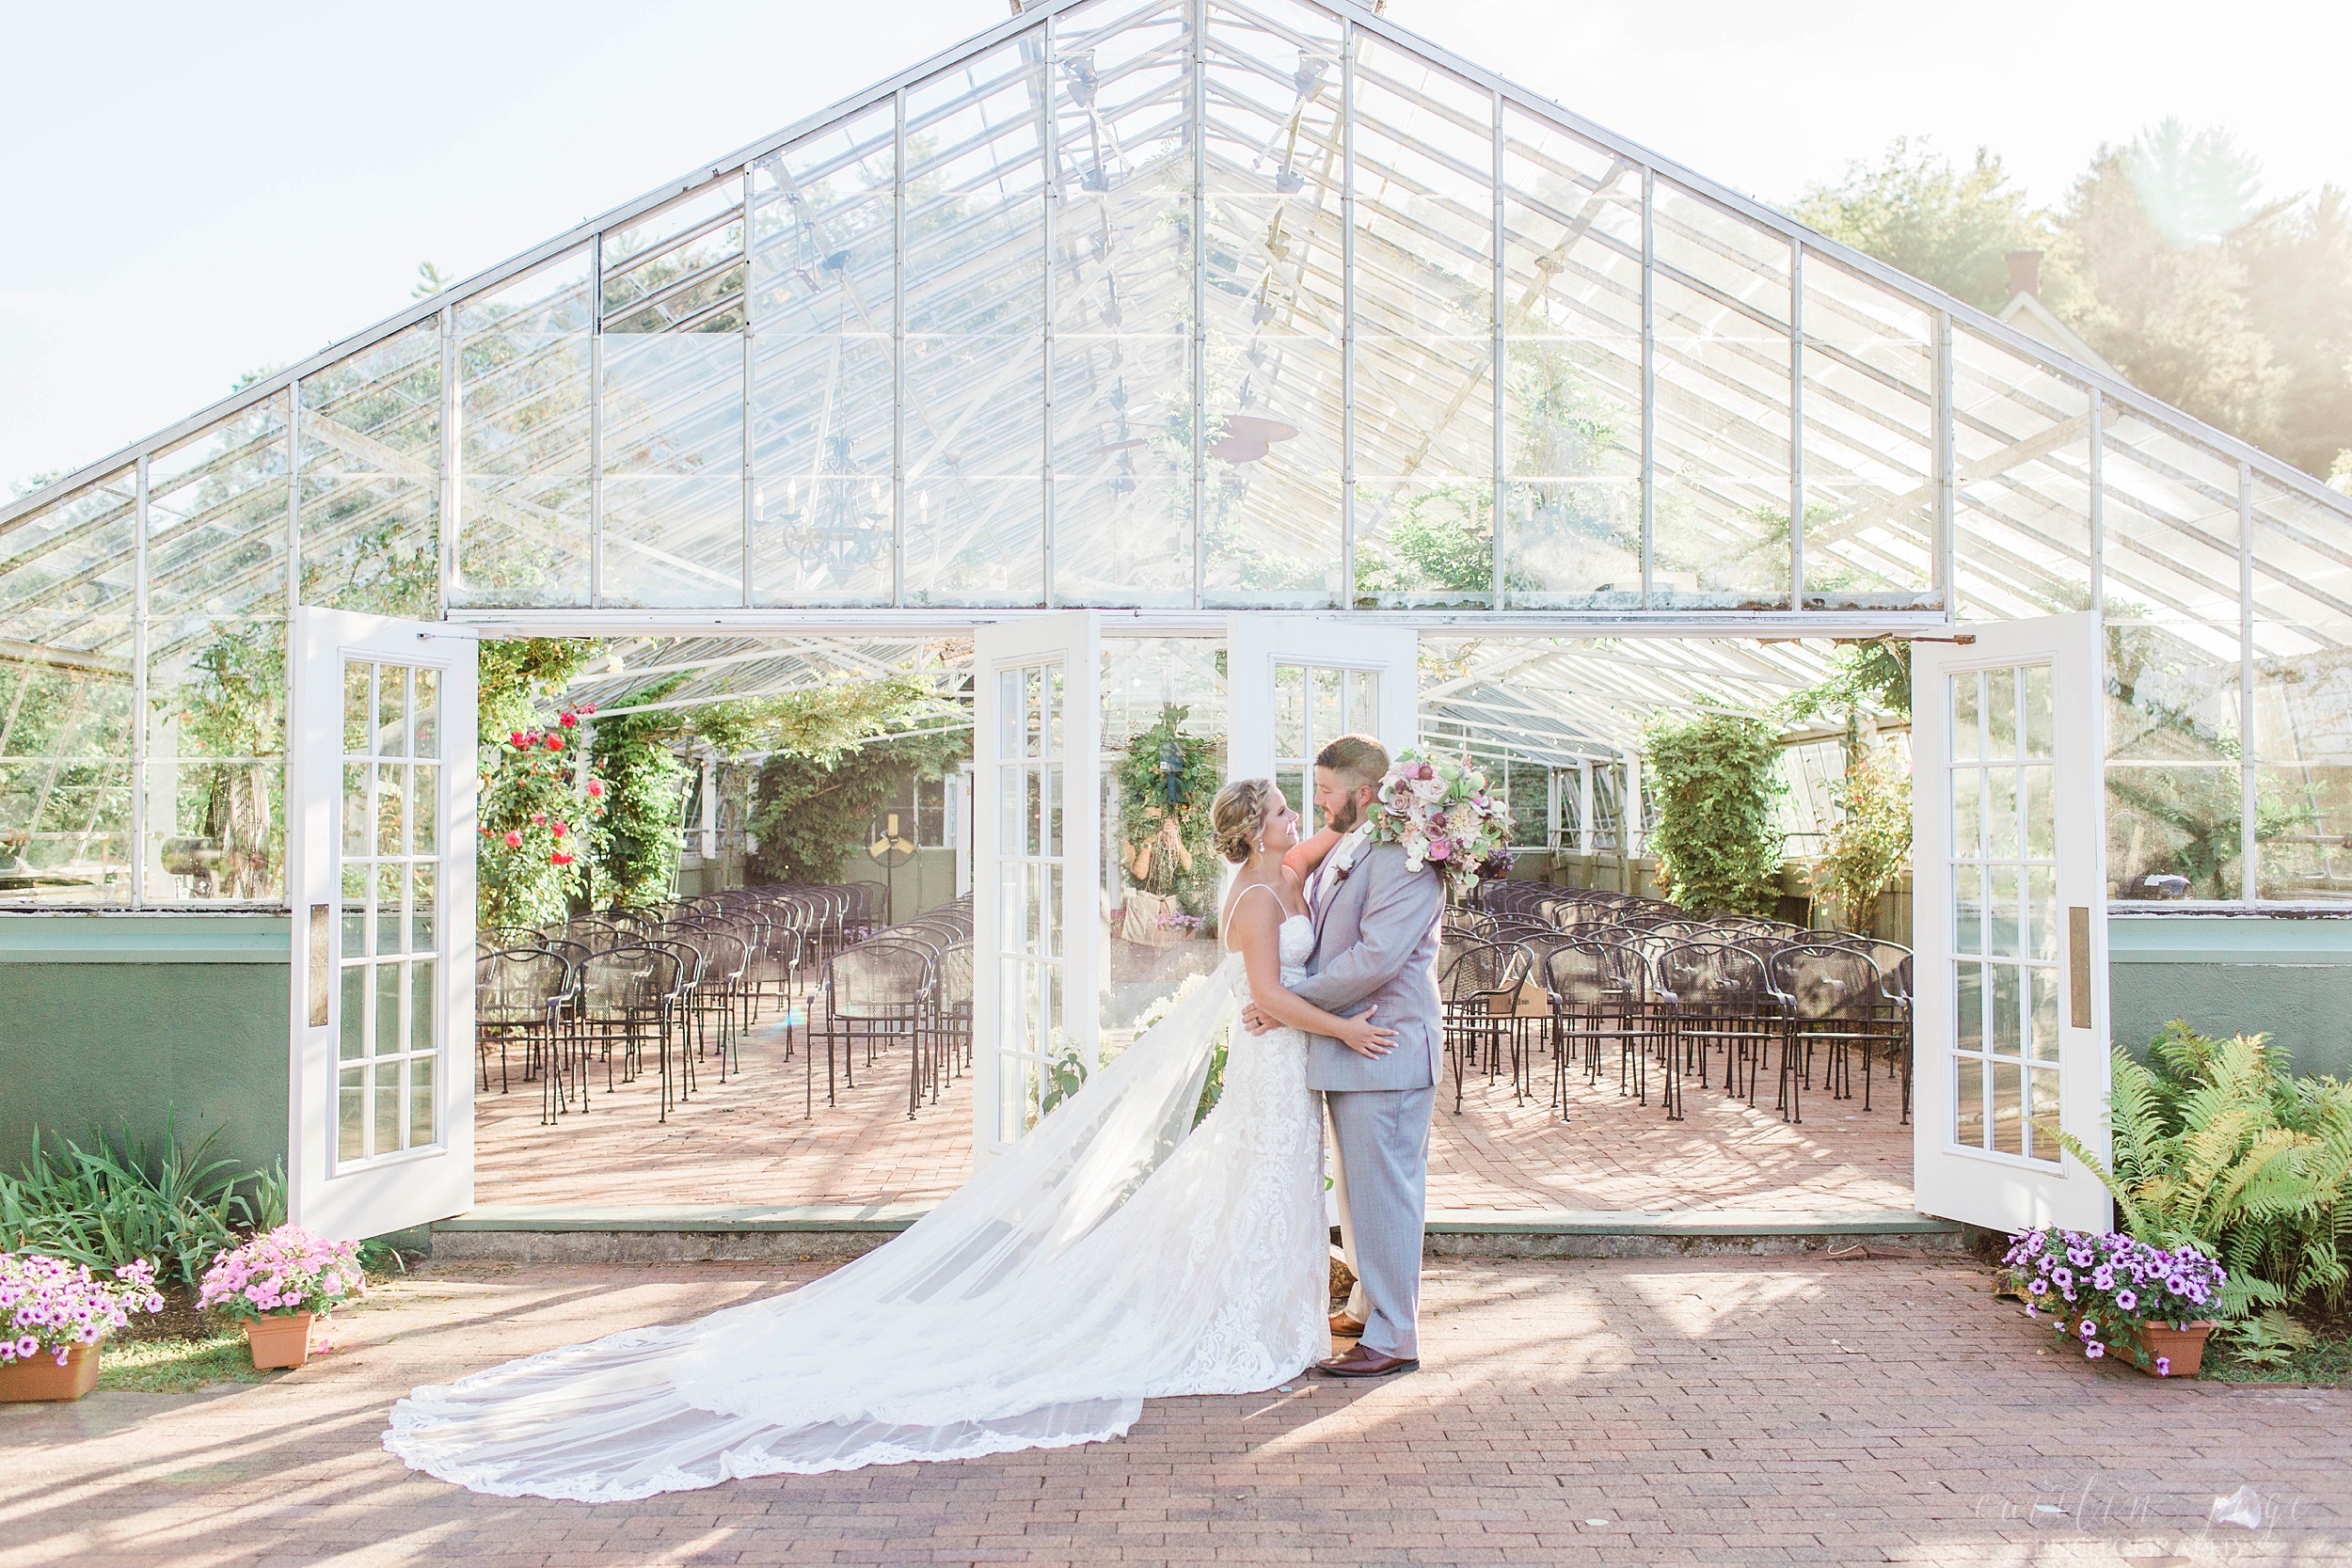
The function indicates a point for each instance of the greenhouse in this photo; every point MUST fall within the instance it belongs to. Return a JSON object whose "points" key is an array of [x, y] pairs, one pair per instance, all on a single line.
{"points": [[1260, 358]]}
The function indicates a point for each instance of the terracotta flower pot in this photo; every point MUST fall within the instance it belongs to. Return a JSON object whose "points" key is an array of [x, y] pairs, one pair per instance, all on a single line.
{"points": [[283, 1340], [2183, 1350], [40, 1378]]}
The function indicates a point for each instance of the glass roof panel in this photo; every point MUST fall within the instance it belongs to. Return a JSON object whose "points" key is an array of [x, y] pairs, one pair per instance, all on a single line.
{"points": [[69, 572], [1326, 320]]}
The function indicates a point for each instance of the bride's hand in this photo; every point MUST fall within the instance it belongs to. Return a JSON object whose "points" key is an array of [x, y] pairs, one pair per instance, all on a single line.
{"points": [[1366, 1039]]}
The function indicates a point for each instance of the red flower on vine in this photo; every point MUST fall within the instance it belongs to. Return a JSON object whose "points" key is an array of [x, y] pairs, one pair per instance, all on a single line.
{"points": [[514, 839], [555, 742], [559, 857]]}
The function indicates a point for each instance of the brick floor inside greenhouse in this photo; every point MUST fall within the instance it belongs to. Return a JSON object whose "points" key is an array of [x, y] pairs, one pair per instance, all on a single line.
{"points": [[757, 1140]]}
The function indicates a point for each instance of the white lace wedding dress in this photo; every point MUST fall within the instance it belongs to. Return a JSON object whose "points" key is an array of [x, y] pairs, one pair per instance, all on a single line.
{"points": [[1116, 1254]]}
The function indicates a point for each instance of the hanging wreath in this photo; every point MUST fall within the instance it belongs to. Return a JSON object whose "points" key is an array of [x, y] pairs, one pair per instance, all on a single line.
{"points": [[1165, 781]]}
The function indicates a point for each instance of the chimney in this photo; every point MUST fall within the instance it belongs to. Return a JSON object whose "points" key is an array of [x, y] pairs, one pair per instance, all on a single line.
{"points": [[2024, 273]]}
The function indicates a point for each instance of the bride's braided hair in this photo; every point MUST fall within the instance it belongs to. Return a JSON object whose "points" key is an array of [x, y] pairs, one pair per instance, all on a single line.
{"points": [[1237, 815]]}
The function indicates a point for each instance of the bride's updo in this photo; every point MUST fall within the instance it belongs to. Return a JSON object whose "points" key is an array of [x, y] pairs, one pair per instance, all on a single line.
{"points": [[1237, 815]]}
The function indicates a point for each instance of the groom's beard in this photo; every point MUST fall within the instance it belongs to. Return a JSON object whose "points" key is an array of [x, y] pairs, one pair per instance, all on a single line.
{"points": [[1343, 819]]}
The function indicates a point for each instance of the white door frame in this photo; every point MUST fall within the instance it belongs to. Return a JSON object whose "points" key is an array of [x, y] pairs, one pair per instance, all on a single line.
{"points": [[329, 1190], [1004, 1061], [2061, 935], [1257, 641]]}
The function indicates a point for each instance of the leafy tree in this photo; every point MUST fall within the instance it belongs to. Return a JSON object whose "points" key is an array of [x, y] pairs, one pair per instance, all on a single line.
{"points": [[2173, 319], [1947, 226], [810, 811], [1716, 847], [2298, 296]]}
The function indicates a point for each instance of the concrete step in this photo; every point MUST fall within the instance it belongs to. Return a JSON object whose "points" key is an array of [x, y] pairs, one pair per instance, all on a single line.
{"points": [[754, 1233]]}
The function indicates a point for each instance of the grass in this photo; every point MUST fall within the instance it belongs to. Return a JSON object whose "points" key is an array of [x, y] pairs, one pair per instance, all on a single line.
{"points": [[2328, 1359], [177, 1366]]}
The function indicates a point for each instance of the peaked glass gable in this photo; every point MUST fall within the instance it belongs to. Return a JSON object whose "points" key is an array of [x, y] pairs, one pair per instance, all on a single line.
{"points": [[1174, 305]]}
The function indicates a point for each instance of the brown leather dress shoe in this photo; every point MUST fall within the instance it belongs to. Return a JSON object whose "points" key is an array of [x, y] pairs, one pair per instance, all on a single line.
{"points": [[1363, 1361], [1346, 1328]]}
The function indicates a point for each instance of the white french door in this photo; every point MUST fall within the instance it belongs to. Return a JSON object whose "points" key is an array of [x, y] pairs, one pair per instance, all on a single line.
{"points": [[380, 855], [1037, 839], [2009, 930], [1295, 682]]}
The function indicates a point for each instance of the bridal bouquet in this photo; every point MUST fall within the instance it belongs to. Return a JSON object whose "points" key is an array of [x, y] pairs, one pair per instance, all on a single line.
{"points": [[1439, 810]]}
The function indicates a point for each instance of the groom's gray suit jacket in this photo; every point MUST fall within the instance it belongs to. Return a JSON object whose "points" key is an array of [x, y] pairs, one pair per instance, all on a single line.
{"points": [[1376, 945]]}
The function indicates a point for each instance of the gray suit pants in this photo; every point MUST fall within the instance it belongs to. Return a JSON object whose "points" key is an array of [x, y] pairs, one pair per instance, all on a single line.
{"points": [[1383, 1138]]}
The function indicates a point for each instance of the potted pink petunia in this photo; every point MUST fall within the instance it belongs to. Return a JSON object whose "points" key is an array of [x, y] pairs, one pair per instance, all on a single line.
{"points": [[276, 1284], [54, 1318]]}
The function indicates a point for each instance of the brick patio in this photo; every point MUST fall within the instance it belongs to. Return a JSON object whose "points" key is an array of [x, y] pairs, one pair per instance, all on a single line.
{"points": [[749, 1142], [1654, 1412]]}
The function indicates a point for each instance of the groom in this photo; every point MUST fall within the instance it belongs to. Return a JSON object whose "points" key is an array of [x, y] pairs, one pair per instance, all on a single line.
{"points": [[1375, 946]]}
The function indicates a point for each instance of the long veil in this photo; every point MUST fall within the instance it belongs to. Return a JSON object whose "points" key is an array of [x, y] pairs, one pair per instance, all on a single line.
{"points": [[984, 1328]]}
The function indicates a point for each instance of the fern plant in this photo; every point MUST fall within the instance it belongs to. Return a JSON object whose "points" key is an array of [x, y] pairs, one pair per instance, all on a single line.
{"points": [[2213, 1146]]}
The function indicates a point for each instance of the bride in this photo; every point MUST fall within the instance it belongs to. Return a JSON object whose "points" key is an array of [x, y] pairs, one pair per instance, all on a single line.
{"points": [[1117, 1253]]}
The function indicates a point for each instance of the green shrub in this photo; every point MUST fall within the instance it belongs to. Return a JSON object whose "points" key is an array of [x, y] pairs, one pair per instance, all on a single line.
{"points": [[2214, 1145], [1717, 844], [112, 1203]]}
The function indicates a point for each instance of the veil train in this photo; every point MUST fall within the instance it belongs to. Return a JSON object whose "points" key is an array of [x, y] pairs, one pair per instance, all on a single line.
{"points": [[1014, 1315]]}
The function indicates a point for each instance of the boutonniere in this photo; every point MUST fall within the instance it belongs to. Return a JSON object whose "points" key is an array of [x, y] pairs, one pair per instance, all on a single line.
{"points": [[1343, 854]]}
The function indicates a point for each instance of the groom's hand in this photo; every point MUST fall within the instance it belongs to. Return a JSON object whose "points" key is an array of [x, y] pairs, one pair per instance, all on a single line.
{"points": [[1256, 1021]]}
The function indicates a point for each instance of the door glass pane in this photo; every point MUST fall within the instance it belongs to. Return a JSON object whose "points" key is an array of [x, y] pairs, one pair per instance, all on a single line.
{"points": [[428, 707], [1966, 746], [1968, 1104], [353, 1040], [358, 694], [421, 1102], [388, 915], [423, 927], [424, 785], [350, 1113], [1363, 706], [385, 1107], [390, 790], [2041, 1111], [356, 814], [392, 711], [2000, 715], [420, 1007], [391, 1040], [2007, 1106]]}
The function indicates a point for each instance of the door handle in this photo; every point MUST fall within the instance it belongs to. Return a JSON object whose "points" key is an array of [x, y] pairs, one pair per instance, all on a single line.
{"points": [[322, 961], [2078, 965]]}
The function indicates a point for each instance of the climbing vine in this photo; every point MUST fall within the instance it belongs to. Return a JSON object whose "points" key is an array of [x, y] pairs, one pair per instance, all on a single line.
{"points": [[1869, 846], [636, 856], [1717, 845], [538, 816], [810, 810]]}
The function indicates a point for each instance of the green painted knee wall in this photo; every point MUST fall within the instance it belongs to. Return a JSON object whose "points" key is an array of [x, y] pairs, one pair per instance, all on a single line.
{"points": [[108, 1018], [2226, 975]]}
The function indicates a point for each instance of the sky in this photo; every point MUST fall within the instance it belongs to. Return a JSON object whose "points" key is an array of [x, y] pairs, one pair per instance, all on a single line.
{"points": [[202, 190]]}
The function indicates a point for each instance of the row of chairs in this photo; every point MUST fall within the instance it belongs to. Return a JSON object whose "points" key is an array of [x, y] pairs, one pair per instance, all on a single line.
{"points": [[1582, 974], [912, 981], [618, 983]]}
